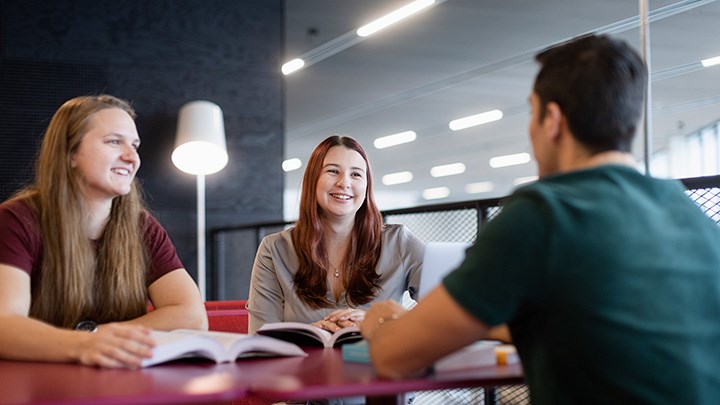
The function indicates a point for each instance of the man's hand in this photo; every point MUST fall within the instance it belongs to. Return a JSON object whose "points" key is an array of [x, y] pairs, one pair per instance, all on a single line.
{"points": [[378, 314]]}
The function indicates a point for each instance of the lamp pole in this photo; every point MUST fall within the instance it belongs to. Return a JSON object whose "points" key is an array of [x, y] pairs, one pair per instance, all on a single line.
{"points": [[201, 234]]}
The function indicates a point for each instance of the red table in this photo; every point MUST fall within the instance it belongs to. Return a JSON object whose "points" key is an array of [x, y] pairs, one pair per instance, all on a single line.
{"points": [[322, 374]]}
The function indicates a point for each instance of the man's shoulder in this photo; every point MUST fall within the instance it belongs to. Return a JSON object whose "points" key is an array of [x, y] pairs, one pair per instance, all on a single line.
{"points": [[597, 180]]}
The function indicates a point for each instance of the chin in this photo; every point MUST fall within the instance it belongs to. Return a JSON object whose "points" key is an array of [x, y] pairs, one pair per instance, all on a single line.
{"points": [[121, 193]]}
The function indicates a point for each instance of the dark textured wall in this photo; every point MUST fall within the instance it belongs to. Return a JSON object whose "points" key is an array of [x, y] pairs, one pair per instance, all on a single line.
{"points": [[158, 54]]}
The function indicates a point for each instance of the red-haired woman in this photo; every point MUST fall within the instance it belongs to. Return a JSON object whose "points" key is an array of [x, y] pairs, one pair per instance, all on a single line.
{"points": [[339, 257]]}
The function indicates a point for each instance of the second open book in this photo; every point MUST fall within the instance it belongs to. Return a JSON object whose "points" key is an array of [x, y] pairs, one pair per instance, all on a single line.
{"points": [[307, 335]]}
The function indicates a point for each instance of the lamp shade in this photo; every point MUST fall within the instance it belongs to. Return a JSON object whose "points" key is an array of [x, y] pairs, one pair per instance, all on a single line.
{"points": [[200, 146]]}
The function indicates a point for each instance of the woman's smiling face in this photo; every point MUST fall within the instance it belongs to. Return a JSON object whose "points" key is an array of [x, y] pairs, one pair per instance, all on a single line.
{"points": [[342, 185], [107, 159]]}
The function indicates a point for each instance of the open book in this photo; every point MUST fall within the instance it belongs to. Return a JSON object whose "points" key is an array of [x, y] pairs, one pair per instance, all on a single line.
{"points": [[304, 334], [219, 347]]}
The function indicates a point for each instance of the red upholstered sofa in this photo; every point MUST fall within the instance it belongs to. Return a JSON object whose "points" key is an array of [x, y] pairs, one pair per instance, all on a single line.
{"points": [[225, 316]]}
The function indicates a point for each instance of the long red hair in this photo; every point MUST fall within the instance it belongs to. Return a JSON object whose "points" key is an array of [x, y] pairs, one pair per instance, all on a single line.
{"points": [[361, 284]]}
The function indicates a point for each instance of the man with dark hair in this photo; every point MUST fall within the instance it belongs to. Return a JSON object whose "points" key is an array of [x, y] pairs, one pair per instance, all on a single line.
{"points": [[608, 279]]}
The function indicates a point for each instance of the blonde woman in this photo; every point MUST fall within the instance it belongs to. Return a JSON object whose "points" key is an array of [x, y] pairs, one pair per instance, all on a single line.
{"points": [[79, 252]]}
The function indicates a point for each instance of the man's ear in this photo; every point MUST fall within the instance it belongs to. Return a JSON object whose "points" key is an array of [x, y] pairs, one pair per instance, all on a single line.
{"points": [[553, 120]]}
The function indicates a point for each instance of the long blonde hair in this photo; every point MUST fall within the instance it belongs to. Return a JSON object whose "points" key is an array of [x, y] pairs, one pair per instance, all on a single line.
{"points": [[80, 280]]}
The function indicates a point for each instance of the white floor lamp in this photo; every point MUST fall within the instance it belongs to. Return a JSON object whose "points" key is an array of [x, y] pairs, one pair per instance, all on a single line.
{"points": [[200, 149]]}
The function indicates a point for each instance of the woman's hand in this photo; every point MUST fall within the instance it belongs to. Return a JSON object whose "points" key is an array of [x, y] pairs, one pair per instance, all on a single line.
{"points": [[341, 318], [115, 345]]}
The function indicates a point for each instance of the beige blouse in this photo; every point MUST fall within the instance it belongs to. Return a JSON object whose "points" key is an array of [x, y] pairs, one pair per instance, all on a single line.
{"points": [[272, 298]]}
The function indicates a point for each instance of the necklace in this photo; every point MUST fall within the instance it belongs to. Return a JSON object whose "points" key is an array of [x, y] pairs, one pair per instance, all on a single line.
{"points": [[337, 271]]}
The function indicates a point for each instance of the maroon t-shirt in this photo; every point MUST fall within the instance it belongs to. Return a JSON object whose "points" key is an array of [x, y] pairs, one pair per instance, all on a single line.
{"points": [[21, 243]]}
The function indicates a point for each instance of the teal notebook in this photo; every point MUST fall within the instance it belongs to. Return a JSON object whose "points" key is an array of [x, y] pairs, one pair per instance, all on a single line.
{"points": [[356, 352]]}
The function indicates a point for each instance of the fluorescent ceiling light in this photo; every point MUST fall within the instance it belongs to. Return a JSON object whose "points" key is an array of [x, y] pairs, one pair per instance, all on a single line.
{"points": [[477, 119], [435, 193], [397, 178], [395, 16], [291, 164], [523, 180], [481, 187], [447, 170], [292, 66], [509, 160], [711, 62], [396, 139]]}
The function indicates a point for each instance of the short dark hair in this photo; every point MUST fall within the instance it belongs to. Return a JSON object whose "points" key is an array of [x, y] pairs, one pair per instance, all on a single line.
{"points": [[599, 83]]}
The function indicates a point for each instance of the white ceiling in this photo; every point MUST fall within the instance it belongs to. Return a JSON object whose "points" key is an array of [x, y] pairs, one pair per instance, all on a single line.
{"points": [[463, 57]]}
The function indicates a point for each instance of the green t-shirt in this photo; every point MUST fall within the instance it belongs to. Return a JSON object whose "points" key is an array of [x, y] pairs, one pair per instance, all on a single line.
{"points": [[610, 282]]}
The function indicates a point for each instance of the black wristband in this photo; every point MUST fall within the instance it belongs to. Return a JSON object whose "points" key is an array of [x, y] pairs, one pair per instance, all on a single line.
{"points": [[87, 326]]}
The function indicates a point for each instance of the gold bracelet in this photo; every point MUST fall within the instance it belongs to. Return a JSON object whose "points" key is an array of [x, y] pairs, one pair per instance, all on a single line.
{"points": [[382, 319]]}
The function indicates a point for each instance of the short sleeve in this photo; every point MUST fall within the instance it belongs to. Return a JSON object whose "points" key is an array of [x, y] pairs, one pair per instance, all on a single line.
{"points": [[163, 257], [19, 236], [505, 267]]}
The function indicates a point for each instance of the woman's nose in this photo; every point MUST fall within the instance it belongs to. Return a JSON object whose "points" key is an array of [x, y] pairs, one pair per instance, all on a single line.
{"points": [[343, 181], [131, 155]]}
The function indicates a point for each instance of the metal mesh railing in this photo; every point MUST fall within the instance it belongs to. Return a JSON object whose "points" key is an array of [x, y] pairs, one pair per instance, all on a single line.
{"points": [[708, 199], [442, 226]]}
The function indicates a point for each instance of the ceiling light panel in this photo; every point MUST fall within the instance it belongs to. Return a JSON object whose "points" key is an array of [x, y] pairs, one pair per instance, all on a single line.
{"points": [[509, 160], [435, 193], [394, 17], [480, 187], [291, 164], [447, 170], [474, 120], [711, 61], [396, 139], [397, 178]]}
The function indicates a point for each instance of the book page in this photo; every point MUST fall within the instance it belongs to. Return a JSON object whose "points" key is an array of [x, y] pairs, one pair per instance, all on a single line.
{"points": [[171, 346], [297, 332], [304, 334], [217, 346], [349, 334]]}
